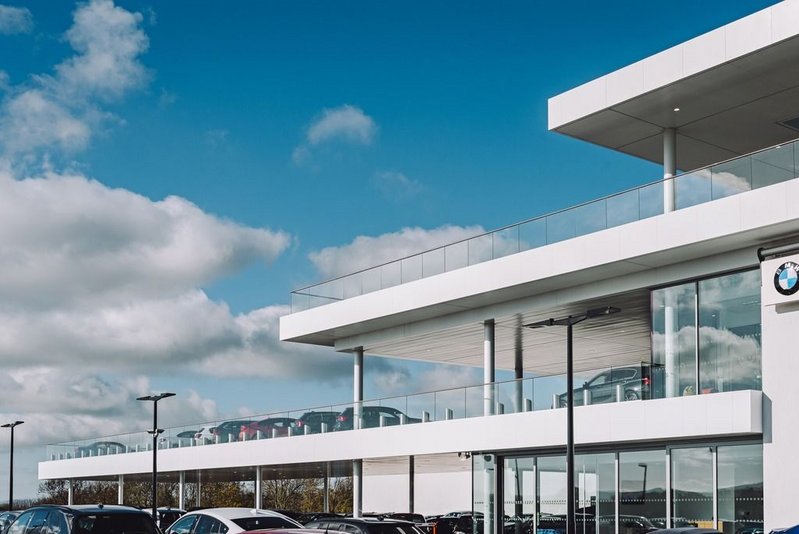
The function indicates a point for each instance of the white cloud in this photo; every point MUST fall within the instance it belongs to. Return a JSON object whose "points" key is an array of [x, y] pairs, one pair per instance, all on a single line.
{"points": [[344, 124], [347, 123], [15, 20], [367, 251], [57, 112], [395, 185]]}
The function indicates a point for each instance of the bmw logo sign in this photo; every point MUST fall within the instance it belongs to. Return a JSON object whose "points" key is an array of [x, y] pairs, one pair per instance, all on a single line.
{"points": [[786, 279]]}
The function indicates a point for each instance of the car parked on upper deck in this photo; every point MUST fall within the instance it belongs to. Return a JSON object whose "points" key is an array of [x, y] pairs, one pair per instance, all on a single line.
{"points": [[633, 382], [99, 448], [372, 416], [314, 420], [271, 427], [229, 430]]}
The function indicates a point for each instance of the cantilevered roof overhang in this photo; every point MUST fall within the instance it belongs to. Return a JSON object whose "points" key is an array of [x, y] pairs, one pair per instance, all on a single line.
{"points": [[733, 86]]}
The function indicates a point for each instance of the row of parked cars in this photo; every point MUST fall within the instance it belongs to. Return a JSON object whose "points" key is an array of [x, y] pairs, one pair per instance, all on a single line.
{"points": [[312, 422]]}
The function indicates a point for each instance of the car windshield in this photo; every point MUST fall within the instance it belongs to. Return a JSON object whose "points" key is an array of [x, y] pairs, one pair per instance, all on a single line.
{"points": [[114, 524], [255, 523]]}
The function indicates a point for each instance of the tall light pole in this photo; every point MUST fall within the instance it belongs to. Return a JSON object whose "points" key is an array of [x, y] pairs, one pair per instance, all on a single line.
{"points": [[155, 432], [569, 322], [11, 464]]}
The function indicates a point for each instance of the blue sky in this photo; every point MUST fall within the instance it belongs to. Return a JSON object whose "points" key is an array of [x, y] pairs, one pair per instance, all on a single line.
{"points": [[278, 129]]}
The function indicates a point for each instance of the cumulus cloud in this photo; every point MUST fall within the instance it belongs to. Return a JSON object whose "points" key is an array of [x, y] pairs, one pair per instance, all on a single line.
{"points": [[65, 238], [344, 124], [58, 111], [15, 20], [395, 185], [368, 251]]}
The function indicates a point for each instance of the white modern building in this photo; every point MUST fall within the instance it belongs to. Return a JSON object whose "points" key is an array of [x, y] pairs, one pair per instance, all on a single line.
{"points": [[684, 403]]}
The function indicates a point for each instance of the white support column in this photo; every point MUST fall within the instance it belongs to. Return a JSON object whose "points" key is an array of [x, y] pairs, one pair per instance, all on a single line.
{"points": [[198, 497], [411, 477], [671, 345], [518, 358], [259, 492], [121, 489], [357, 488], [488, 367], [669, 168], [182, 490], [327, 488], [70, 493], [357, 389]]}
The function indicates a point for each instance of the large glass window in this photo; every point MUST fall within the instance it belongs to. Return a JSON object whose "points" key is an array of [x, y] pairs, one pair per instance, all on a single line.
{"points": [[519, 494], [692, 487], [725, 347], [740, 488], [674, 341], [483, 484], [596, 493], [551, 498], [642, 489], [729, 333]]}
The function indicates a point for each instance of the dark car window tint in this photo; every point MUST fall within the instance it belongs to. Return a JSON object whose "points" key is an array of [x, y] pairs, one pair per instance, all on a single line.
{"points": [[57, 523], [18, 527], [183, 526], [38, 520], [137, 523], [255, 523]]}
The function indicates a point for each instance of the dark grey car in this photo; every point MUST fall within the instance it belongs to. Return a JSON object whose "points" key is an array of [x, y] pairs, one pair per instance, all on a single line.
{"points": [[633, 382]]}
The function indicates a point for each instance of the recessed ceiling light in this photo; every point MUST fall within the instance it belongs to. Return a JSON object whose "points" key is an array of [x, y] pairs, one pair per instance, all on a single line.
{"points": [[676, 109]]}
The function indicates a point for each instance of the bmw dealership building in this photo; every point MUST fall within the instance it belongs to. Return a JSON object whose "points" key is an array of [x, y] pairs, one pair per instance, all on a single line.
{"points": [[677, 301]]}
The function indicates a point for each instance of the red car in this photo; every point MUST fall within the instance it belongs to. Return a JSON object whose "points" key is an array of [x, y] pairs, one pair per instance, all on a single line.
{"points": [[272, 427]]}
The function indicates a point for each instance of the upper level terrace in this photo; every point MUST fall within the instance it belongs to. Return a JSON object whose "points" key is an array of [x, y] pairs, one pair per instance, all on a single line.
{"points": [[753, 171]]}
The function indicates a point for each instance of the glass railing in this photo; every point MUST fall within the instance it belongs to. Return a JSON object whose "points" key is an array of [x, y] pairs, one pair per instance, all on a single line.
{"points": [[752, 171], [599, 386]]}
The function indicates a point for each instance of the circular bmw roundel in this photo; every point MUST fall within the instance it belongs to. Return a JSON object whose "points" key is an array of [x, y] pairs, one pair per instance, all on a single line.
{"points": [[786, 279]]}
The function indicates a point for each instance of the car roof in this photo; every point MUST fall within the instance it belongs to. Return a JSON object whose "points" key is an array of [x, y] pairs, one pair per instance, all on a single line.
{"points": [[237, 513], [362, 520], [93, 508]]}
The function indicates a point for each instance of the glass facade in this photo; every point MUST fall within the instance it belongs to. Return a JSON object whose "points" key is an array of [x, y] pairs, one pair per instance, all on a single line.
{"points": [[625, 492], [706, 336]]}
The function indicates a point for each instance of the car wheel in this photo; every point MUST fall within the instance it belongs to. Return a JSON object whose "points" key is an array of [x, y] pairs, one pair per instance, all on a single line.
{"points": [[631, 395]]}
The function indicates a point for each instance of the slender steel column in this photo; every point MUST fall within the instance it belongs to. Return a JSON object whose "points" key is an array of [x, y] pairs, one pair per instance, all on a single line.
{"points": [[669, 168], [11, 463], [357, 488], [70, 493], [571, 525], [518, 359], [357, 389], [488, 367], [327, 488], [121, 489], [411, 482], [259, 493]]}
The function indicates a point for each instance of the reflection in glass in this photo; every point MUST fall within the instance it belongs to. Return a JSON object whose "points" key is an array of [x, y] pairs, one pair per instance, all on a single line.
{"points": [[519, 495], [484, 482], [505, 242], [674, 341], [456, 255], [623, 208], [692, 486], [551, 498], [596, 493], [729, 333], [590, 218], [773, 166], [480, 249], [561, 226], [433, 262], [731, 178], [642, 489], [533, 234], [740, 493]]}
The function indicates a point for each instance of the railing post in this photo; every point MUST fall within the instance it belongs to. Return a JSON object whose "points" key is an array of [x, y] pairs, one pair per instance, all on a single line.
{"points": [[555, 401], [528, 405], [425, 417], [449, 414], [619, 393]]}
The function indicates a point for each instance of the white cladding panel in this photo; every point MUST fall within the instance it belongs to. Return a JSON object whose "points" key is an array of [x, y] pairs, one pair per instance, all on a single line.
{"points": [[702, 416], [435, 493]]}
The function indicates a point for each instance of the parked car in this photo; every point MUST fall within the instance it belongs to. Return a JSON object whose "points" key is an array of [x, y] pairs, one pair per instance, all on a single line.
{"points": [[166, 516], [182, 439], [273, 426], [85, 519], [229, 430], [366, 525], [230, 521], [314, 420], [371, 417], [634, 382], [205, 435], [99, 448]]}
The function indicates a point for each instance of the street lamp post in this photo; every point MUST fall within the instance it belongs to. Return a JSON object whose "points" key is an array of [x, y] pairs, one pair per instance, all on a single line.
{"points": [[11, 464], [569, 322], [155, 432]]}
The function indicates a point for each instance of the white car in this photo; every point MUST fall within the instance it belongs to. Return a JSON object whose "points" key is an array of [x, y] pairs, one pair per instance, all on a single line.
{"points": [[230, 521], [205, 435]]}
